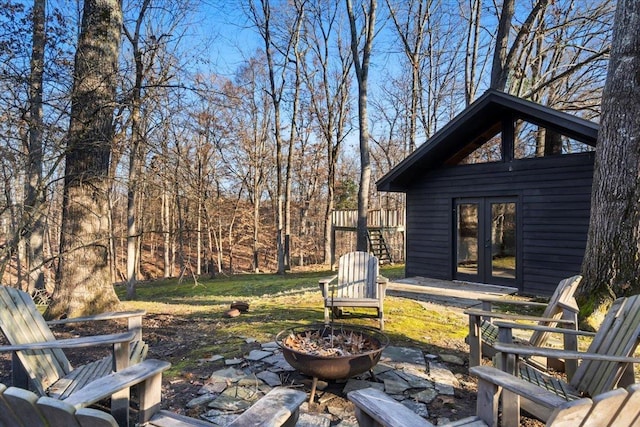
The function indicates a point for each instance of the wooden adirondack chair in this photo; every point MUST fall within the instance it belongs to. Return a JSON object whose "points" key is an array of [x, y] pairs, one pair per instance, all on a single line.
{"points": [[616, 408], [606, 364], [38, 358], [561, 309], [359, 285]]}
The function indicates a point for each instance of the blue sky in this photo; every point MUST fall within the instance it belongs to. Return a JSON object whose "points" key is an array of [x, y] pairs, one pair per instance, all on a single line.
{"points": [[226, 36]]}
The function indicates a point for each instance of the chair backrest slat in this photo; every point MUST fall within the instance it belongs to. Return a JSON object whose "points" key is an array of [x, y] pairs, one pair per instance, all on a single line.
{"points": [[616, 408], [617, 335], [629, 415], [22, 408], [570, 414], [563, 294], [22, 323], [23, 404], [357, 274], [7, 416]]}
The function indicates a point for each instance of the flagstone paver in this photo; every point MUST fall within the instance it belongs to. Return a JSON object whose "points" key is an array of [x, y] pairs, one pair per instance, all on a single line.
{"points": [[271, 378], [443, 378], [356, 384], [255, 355]]}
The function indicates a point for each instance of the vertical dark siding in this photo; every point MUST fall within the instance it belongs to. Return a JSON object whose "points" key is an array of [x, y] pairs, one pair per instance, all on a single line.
{"points": [[554, 195]]}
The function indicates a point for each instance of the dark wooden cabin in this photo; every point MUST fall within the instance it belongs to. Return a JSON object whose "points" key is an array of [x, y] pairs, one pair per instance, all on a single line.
{"points": [[500, 195]]}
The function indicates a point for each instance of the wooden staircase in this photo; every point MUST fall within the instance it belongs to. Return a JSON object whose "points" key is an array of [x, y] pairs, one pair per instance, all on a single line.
{"points": [[378, 246]]}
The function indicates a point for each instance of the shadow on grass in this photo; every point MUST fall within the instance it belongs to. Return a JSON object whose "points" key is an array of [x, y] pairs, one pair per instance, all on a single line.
{"points": [[236, 286], [278, 302]]}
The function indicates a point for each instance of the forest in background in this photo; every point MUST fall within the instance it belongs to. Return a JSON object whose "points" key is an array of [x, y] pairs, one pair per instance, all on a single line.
{"points": [[203, 162]]}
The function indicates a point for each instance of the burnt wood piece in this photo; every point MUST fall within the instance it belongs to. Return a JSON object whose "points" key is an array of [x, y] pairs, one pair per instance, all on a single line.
{"points": [[240, 305]]}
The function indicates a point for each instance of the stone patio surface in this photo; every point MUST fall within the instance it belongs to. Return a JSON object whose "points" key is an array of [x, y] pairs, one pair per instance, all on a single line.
{"points": [[407, 374]]}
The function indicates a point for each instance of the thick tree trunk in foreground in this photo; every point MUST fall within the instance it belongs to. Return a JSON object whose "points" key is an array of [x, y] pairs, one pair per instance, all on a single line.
{"points": [[611, 267], [83, 283]]}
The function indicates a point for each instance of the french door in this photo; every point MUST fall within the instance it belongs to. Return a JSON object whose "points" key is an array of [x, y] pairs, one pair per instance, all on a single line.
{"points": [[486, 240]]}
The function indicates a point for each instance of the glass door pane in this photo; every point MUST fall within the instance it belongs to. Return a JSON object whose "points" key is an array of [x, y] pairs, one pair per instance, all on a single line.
{"points": [[467, 238], [503, 240]]}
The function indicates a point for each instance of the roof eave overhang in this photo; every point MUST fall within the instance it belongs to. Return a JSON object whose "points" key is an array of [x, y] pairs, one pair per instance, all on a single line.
{"points": [[401, 176]]}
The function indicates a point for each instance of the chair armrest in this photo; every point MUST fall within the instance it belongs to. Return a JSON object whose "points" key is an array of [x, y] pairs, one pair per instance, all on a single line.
{"points": [[327, 280], [383, 282], [101, 316], [277, 408], [147, 375], [498, 300], [106, 386], [134, 320], [570, 306], [498, 315], [324, 285], [540, 328], [376, 408], [491, 375], [560, 354], [81, 342]]}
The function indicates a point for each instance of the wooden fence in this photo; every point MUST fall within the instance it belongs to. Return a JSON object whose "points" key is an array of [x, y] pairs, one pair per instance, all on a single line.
{"points": [[380, 218], [389, 223]]}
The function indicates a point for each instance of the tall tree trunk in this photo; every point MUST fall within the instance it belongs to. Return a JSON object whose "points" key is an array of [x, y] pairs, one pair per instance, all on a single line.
{"points": [[34, 192], [471, 51], [329, 98], [295, 38], [504, 56], [83, 278], [610, 266], [275, 93], [135, 155], [499, 69], [412, 34], [166, 231], [362, 72], [256, 231]]}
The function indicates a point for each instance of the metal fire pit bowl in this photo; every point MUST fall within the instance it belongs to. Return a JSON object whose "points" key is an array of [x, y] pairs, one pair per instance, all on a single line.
{"points": [[332, 367]]}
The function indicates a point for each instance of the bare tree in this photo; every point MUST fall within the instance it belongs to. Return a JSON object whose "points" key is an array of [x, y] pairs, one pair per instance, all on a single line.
{"points": [[361, 67], [84, 279], [34, 203], [293, 33], [610, 266], [412, 29], [500, 67], [286, 50], [148, 33], [327, 81], [135, 154], [471, 63]]}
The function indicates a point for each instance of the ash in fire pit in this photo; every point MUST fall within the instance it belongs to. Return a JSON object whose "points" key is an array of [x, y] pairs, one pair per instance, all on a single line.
{"points": [[331, 352]]}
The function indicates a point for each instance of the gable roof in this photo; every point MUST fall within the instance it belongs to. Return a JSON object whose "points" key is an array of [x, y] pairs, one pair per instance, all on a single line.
{"points": [[479, 121]]}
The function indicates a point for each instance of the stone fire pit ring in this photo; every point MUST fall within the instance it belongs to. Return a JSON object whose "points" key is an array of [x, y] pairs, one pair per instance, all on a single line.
{"points": [[332, 367]]}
